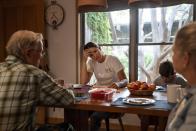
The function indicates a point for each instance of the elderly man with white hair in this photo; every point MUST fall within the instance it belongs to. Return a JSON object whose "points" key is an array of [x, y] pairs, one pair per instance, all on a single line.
{"points": [[23, 85]]}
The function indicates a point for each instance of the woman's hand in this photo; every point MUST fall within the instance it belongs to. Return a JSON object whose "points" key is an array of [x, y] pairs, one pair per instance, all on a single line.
{"points": [[113, 85], [119, 84], [85, 55]]}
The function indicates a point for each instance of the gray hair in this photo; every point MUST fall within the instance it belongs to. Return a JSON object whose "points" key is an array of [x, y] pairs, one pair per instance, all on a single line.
{"points": [[186, 38], [23, 39], [186, 41]]}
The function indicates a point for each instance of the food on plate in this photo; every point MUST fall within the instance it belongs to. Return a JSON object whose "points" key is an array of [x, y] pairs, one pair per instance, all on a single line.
{"points": [[138, 101]]}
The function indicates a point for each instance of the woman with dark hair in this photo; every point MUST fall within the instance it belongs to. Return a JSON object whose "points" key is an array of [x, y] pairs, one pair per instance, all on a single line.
{"points": [[108, 71]]}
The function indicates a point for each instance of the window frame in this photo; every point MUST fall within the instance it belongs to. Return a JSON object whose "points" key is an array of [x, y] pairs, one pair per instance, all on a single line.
{"points": [[134, 42]]}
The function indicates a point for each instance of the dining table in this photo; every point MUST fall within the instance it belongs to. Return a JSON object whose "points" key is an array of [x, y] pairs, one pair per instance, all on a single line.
{"points": [[78, 113]]}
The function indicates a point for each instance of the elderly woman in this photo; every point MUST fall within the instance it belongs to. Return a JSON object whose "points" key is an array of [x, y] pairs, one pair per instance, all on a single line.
{"points": [[183, 116]]}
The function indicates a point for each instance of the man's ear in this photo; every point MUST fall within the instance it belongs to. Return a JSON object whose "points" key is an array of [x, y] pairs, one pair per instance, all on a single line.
{"points": [[27, 52], [186, 59]]}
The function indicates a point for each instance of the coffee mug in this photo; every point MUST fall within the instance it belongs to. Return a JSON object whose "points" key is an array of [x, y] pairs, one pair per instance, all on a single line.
{"points": [[173, 93]]}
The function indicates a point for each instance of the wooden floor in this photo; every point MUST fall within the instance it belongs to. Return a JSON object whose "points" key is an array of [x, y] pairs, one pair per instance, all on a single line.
{"points": [[126, 129], [115, 127], [110, 130]]}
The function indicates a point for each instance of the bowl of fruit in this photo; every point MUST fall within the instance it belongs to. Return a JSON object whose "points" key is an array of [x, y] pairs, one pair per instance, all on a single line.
{"points": [[139, 88]]}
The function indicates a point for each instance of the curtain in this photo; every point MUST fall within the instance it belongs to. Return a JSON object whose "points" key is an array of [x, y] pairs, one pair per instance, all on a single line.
{"points": [[110, 5]]}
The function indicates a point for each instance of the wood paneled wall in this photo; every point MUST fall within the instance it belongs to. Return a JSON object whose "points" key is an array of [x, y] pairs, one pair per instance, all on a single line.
{"points": [[19, 14]]}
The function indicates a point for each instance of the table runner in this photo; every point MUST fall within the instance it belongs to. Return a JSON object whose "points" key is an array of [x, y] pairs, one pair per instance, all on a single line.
{"points": [[159, 104]]}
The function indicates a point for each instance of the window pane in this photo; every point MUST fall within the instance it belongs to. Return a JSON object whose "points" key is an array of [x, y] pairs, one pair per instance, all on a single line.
{"points": [[160, 24], [107, 27], [121, 52], [149, 58]]}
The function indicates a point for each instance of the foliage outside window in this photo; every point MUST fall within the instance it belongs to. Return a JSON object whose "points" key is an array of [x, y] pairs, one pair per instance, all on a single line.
{"points": [[99, 27]]}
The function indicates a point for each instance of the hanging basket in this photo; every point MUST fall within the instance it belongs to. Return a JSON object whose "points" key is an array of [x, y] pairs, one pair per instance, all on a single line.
{"points": [[94, 5]]}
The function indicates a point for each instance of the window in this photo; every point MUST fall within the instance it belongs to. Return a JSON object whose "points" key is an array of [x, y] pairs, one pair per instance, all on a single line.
{"points": [[156, 29], [111, 31]]}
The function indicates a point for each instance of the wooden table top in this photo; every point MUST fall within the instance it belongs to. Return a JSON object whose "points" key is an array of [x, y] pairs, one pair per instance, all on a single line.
{"points": [[105, 106]]}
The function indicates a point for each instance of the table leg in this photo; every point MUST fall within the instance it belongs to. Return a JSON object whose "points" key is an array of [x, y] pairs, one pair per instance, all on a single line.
{"points": [[78, 118], [162, 123], [146, 121]]}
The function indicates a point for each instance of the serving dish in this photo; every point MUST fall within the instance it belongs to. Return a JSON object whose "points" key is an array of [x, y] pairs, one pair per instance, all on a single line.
{"points": [[141, 92], [141, 88], [80, 90], [102, 93]]}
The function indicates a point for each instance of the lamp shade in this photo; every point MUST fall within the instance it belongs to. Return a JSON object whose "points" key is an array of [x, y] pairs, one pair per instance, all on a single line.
{"points": [[144, 3], [88, 5]]}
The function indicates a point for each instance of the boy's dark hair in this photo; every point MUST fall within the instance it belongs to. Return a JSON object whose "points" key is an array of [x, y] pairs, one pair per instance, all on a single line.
{"points": [[90, 45], [166, 69]]}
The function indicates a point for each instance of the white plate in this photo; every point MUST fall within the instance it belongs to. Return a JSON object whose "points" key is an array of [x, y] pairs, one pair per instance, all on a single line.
{"points": [[138, 101]]}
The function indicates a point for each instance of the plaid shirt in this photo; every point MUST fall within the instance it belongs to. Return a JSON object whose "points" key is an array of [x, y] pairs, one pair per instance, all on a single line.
{"points": [[183, 116], [22, 88]]}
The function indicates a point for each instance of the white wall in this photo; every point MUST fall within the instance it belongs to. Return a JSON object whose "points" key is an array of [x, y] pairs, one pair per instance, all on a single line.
{"points": [[62, 48], [62, 44], [62, 54]]}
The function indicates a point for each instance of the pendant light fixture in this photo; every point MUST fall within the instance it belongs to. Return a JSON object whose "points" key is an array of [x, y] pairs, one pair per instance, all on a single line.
{"points": [[87, 5]]}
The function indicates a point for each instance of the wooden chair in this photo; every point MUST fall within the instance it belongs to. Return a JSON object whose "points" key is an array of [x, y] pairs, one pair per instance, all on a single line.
{"points": [[114, 116]]}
